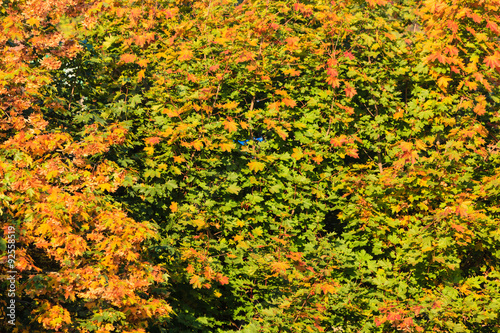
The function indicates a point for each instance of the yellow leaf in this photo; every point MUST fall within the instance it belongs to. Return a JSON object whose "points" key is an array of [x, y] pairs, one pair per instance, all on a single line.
{"points": [[243, 245], [230, 105], [52, 174], [256, 166], [198, 223], [105, 186], [197, 145], [179, 159], [443, 82], [185, 55], [282, 133], [33, 21], [297, 154], [420, 145], [173, 207], [228, 146], [257, 231], [279, 266]]}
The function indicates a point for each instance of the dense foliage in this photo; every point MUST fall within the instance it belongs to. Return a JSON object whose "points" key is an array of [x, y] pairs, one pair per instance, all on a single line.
{"points": [[255, 166]]}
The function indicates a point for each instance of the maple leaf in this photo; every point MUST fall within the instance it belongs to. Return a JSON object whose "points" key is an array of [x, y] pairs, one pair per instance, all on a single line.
{"points": [[328, 288], [292, 41], [274, 106], [291, 72], [443, 82], [374, 3], [128, 58], [458, 227], [141, 75], [152, 140], [480, 109], [279, 266], [233, 188], [281, 132], [142, 62], [318, 159], [453, 26], [140, 40], [437, 55], [256, 166], [185, 55], [227, 146], [493, 27], [179, 159], [289, 102], [353, 152], [230, 105], [350, 91], [230, 125], [33, 21], [297, 154], [333, 81], [198, 145], [349, 55], [199, 223], [196, 281], [173, 207], [493, 61], [222, 279]]}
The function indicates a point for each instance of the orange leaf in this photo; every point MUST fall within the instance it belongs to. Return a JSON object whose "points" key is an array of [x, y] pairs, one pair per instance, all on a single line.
{"points": [[458, 227], [493, 27], [222, 279], [493, 61], [143, 62], [141, 75], [230, 105], [350, 91], [196, 281], [185, 55], [152, 141], [230, 125], [328, 289], [128, 58], [292, 41], [198, 145], [289, 102]]}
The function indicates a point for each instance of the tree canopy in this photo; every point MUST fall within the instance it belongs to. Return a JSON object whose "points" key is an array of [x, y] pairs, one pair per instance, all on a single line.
{"points": [[254, 166]]}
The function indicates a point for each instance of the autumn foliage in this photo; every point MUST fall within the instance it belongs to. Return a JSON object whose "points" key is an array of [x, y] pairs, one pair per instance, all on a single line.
{"points": [[255, 166]]}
